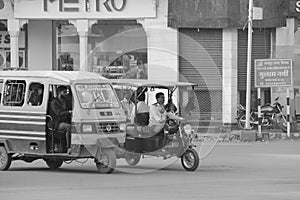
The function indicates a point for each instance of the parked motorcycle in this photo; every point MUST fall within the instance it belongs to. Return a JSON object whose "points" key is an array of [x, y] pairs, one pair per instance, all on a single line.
{"points": [[271, 115]]}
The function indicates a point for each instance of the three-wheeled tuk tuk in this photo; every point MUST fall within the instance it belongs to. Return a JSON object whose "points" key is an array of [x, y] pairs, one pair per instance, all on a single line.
{"points": [[174, 140], [26, 127]]}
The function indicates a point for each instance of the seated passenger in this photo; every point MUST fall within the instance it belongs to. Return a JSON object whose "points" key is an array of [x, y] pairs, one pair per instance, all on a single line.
{"points": [[141, 117], [36, 96], [158, 116], [61, 115]]}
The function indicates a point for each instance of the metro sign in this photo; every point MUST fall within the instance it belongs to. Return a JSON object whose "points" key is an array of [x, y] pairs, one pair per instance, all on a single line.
{"points": [[85, 9], [75, 6]]}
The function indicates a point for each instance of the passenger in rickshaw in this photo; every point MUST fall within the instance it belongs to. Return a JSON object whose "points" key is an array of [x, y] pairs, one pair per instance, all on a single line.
{"points": [[61, 115], [158, 116], [141, 118]]}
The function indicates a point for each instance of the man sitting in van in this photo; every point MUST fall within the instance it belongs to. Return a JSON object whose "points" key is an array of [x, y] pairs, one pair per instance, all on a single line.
{"points": [[61, 115]]}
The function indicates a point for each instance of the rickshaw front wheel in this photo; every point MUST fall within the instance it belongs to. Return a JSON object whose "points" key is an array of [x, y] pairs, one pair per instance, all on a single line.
{"points": [[107, 164], [190, 159], [54, 163], [5, 159], [133, 158]]}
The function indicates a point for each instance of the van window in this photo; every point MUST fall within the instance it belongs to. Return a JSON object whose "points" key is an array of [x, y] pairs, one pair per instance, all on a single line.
{"points": [[14, 93], [35, 94]]}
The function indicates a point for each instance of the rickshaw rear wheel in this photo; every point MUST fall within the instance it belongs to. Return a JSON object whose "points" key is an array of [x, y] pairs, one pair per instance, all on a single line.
{"points": [[54, 163], [190, 159], [5, 159], [133, 158], [107, 164]]}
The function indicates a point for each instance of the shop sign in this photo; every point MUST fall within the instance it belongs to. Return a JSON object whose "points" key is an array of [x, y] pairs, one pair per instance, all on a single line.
{"points": [[5, 9], [85, 9], [5, 39], [294, 8], [273, 72]]}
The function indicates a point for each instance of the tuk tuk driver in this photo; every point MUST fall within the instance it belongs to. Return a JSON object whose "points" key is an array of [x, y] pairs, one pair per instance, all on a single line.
{"points": [[159, 115], [61, 115]]}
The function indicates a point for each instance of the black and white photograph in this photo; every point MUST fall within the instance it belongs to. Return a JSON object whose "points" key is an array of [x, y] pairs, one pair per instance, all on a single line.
{"points": [[150, 99]]}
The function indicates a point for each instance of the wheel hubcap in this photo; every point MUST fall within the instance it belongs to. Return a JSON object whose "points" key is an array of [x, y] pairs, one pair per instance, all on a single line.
{"points": [[104, 161], [189, 160]]}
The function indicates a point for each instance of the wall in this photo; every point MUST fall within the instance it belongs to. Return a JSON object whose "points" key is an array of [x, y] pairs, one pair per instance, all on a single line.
{"points": [[224, 13], [39, 45], [162, 43]]}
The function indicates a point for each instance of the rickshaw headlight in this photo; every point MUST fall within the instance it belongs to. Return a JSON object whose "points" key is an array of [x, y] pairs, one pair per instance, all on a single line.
{"points": [[188, 129], [87, 128], [122, 127]]}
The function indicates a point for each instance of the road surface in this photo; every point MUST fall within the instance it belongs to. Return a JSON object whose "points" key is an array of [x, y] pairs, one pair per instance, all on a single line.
{"points": [[231, 171]]}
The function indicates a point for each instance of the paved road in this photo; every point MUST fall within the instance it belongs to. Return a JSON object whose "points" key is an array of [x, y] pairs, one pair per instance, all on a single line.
{"points": [[232, 171]]}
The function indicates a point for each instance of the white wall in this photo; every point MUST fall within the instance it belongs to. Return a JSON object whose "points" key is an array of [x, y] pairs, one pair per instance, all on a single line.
{"points": [[162, 43], [39, 45]]}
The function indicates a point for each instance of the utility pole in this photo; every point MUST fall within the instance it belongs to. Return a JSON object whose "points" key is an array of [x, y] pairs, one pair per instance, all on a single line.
{"points": [[248, 88]]}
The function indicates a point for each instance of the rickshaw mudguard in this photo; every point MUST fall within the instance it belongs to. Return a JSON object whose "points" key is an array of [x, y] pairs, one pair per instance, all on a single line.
{"points": [[102, 143], [4, 142]]}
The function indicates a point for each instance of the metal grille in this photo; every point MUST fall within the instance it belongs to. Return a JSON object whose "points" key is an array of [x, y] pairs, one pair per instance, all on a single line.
{"points": [[107, 127], [206, 108]]}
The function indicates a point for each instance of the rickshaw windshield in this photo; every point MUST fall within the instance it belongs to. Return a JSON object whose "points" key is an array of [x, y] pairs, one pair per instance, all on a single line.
{"points": [[96, 96]]}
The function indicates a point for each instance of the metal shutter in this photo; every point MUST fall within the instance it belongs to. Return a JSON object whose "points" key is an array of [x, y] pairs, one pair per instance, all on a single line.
{"points": [[261, 49], [200, 61]]}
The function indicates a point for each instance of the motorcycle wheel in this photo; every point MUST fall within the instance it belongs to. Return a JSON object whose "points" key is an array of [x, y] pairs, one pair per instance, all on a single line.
{"points": [[242, 122], [283, 123], [133, 159], [190, 160]]}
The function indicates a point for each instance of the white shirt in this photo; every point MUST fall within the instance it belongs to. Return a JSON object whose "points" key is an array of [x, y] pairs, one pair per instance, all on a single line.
{"points": [[158, 115], [142, 107]]}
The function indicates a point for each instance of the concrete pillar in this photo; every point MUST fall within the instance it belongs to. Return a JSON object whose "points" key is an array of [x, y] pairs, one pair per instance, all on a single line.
{"points": [[284, 48], [40, 49], [162, 46], [14, 26], [230, 94], [82, 26]]}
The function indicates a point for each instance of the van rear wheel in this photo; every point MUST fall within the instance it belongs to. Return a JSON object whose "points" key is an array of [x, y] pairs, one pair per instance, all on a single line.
{"points": [[54, 163], [5, 159]]}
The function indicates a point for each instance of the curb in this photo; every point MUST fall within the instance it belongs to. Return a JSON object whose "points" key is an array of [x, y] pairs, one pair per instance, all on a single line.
{"points": [[246, 136]]}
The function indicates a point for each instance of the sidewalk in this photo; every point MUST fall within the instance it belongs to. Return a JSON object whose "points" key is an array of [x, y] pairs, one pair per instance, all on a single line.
{"points": [[248, 135]]}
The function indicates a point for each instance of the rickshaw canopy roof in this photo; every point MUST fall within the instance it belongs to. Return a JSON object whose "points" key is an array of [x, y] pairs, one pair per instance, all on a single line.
{"points": [[66, 77], [150, 83]]}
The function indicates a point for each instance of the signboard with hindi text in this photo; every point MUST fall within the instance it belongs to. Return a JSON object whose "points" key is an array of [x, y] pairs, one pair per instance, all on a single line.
{"points": [[273, 73]]}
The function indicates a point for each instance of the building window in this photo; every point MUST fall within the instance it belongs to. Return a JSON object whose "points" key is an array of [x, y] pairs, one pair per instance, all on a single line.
{"points": [[5, 58], [116, 49], [67, 46]]}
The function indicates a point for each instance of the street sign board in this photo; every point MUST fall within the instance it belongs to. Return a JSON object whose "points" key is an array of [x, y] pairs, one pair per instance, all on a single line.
{"points": [[273, 72]]}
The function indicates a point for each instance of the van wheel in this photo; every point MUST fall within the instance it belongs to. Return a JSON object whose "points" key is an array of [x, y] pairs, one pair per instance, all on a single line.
{"points": [[133, 158], [54, 163], [5, 159], [107, 163]]}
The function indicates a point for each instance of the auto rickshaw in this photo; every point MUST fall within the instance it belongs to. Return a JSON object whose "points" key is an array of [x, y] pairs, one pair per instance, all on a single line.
{"points": [[26, 129], [174, 140]]}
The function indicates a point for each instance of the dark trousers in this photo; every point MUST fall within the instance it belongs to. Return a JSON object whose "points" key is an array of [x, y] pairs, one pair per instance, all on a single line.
{"points": [[66, 128]]}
